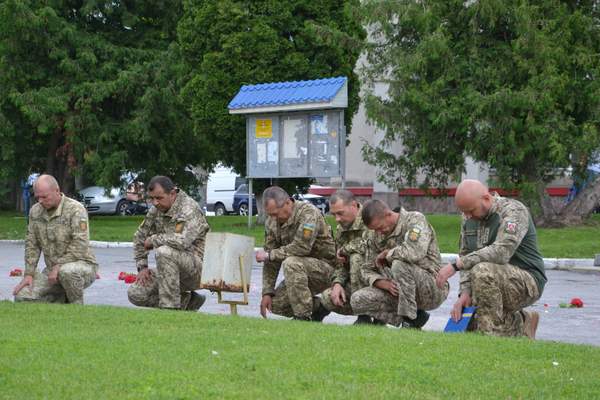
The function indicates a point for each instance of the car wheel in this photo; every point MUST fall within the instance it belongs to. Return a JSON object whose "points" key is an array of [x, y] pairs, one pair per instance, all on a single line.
{"points": [[122, 207], [220, 210], [243, 209]]}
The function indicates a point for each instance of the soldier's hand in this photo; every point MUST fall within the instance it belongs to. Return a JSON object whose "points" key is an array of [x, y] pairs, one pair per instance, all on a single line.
{"points": [[443, 275], [148, 244], [144, 277], [53, 275], [338, 295], [340, 257], [463, 301], [26, 281], [261, 256], [265, 305], [388, 285], [381, 260]]}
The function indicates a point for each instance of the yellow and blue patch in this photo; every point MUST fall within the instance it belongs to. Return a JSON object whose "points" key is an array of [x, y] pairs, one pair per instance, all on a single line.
{"points": [[307, 230]]}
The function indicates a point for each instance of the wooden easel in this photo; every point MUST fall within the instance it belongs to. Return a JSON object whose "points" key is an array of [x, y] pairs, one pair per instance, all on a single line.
{"points": [[234, 303]]}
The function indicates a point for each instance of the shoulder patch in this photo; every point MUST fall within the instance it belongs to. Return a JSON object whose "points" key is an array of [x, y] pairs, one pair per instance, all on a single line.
{"points": [[511, 227], [179, 227], [414, 234], [307, 230], [83, 225]]}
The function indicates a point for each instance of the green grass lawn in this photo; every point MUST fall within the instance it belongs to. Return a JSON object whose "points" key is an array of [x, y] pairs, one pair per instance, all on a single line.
{"points": [[100, 352], [579, 242]]}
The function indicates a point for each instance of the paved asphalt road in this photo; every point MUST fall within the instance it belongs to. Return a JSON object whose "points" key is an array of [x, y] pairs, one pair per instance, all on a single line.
{"points": [[560, 324]]}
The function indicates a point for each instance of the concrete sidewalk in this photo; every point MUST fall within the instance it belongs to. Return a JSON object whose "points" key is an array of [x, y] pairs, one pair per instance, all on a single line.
{"points": [[562, 264], [561, 324]]}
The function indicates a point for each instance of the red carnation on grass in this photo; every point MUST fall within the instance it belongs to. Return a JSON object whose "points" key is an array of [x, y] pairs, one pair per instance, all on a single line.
{"points": [[16, 272], [130, 278], [576, 302]]}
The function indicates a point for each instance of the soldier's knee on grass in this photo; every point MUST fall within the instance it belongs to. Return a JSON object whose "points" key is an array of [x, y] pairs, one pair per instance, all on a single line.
{"points": [[136, 296]]}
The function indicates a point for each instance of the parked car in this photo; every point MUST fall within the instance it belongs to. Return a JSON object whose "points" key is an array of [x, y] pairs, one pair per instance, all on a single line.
{"points": [[322, 203], [220, 190], [98, 200], [240, 201]]}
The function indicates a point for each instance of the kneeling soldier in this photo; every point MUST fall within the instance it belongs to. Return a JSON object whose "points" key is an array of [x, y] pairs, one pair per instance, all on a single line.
{"points": [[347, 277], [401, 263], [176, 229], [298, 240]]}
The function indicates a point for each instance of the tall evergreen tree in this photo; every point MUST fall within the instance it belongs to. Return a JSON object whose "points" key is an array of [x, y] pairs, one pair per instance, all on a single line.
{"points": [[511, 83]]}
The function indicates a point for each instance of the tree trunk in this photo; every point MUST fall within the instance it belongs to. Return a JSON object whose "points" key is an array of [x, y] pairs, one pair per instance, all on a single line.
{"points": [[578, 210]]}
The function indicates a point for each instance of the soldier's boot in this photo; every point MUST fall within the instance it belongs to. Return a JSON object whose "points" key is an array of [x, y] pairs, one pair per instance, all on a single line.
{"points": [[320, 313], [363, 319], [196, 301], [530, 323], [417, 323], [378, 322]]}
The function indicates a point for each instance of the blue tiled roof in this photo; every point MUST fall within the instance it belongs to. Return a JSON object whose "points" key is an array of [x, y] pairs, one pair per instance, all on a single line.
{"points": [[286, 93]]}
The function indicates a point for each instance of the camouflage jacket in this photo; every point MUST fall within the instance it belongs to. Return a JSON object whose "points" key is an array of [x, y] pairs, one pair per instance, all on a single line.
{"points": [[348, 241], [304, 234], [412, 241], [183, 227], [506, 235], [63, 237]]}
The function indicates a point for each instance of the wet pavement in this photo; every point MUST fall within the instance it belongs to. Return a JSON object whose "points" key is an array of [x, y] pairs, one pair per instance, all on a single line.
{"points": [[571, 325]]}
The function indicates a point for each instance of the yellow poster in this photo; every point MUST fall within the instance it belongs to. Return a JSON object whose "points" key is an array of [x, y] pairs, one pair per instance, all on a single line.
{"points": [[264, 128]]}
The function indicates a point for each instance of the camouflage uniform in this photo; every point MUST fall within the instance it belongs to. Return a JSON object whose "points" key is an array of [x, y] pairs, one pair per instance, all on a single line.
{"points": [[349, 243], [304, 247], [63, 237], [178, 238], [415, 261], [503, 270]]}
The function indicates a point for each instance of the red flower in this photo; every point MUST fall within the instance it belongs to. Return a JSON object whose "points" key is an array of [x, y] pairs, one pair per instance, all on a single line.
{"points": [[576, 302], [16, 272], [130, 278], [122, 275]]}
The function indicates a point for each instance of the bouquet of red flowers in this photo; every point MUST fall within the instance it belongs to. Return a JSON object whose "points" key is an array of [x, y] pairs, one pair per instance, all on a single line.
{"points": [[130, 278], [16, 272]]}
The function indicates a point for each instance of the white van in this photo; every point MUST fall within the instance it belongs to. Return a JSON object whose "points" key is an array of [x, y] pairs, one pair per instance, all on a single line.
{"points": [[220, 187]]}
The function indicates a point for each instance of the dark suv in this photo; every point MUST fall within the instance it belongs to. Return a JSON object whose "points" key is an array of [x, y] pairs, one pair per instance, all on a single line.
{"points": [[240, 201]]}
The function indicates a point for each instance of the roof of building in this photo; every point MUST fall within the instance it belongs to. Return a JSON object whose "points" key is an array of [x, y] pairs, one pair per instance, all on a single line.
{"points": [[271, 95]]}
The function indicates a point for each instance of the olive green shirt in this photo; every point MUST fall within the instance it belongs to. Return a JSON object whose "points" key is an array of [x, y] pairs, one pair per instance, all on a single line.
{"points": [[506, 235]]}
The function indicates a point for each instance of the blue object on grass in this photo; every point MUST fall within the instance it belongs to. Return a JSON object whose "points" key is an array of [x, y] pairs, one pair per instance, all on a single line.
{"points": [[463, 323]]}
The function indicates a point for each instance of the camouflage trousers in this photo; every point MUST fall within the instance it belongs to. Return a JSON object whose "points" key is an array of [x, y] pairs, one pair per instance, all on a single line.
{"points": [[177, 274], [500, 292], [417, 290], [72, 279], [304, 278], [355, 283]]}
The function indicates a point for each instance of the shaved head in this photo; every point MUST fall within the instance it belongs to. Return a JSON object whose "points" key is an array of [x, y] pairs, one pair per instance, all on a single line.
{"points": [[46, 181], [47, 192], [473, 199]]}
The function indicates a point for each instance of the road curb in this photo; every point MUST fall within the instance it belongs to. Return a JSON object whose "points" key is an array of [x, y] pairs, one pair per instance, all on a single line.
{"points": [[559, 264]]}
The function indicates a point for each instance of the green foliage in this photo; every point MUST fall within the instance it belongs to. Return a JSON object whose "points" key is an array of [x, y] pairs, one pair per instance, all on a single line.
{"points": [[65, 352], [228, 43], [91, 87], [512, 83]]}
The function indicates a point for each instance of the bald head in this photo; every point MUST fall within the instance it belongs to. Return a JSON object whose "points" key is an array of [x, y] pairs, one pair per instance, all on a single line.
{"points": [[46, 181], [473, 199], [47, 192]]}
